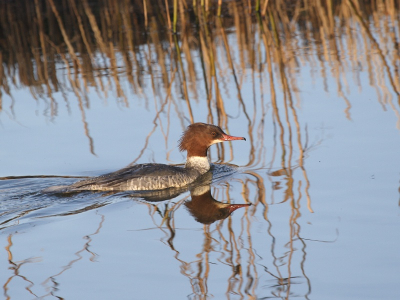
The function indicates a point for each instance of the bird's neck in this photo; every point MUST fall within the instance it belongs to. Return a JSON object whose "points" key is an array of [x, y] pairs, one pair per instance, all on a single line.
{"points": [[199, 163]]}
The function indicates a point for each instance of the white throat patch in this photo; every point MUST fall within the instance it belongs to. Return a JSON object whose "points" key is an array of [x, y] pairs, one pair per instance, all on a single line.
{"points": [[200, 163]]}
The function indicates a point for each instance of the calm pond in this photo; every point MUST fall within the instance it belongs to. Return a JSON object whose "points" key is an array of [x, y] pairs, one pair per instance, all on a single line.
{"points": [[89, 87]]}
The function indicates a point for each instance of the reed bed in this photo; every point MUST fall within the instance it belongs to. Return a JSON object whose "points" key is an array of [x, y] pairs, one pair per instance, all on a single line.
{"points": [[103, 41], [185, 48]]}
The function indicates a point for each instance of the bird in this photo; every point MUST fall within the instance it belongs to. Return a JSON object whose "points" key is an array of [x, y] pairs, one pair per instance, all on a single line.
{"points": [[195, 140]]}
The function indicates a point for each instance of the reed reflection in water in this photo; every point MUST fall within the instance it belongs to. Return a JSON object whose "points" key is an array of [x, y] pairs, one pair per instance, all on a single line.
{"points": [[245, 69]]}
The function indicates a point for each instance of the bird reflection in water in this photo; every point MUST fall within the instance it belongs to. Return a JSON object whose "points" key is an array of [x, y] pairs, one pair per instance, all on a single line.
{"points": [[205, 209], [202, 205]]}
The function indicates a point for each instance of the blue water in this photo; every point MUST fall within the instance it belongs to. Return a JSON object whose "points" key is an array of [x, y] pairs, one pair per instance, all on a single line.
{"points": [[322, 175]]}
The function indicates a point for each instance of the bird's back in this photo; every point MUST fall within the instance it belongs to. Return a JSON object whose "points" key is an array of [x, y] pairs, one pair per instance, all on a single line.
{"points": [[142, 177]]}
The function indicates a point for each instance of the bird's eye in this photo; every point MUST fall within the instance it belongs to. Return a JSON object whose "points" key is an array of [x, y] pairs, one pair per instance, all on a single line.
{"points": [[213, 133]]}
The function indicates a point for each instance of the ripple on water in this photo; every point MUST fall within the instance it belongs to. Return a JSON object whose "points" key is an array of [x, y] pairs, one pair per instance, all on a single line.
{"points": [[22, 200]]}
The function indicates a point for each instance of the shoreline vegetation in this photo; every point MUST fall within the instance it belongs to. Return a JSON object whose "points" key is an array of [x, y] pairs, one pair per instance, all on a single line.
{"points": [[95, 43]]}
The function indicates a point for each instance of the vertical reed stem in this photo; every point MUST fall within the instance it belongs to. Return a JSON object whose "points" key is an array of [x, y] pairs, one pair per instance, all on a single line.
{"points": [[145, 12], [264, 9], [175, 14], [168, 17]]}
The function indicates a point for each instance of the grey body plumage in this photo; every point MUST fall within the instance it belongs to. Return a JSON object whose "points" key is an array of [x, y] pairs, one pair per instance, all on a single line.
{"points": [[140, 178]]}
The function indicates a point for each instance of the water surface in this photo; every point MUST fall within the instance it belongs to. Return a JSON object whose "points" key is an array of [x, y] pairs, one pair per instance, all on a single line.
{"points": [[90, 87]]}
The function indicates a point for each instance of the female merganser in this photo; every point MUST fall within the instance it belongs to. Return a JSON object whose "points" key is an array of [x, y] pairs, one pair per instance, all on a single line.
{"points": [[196, 140]]}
